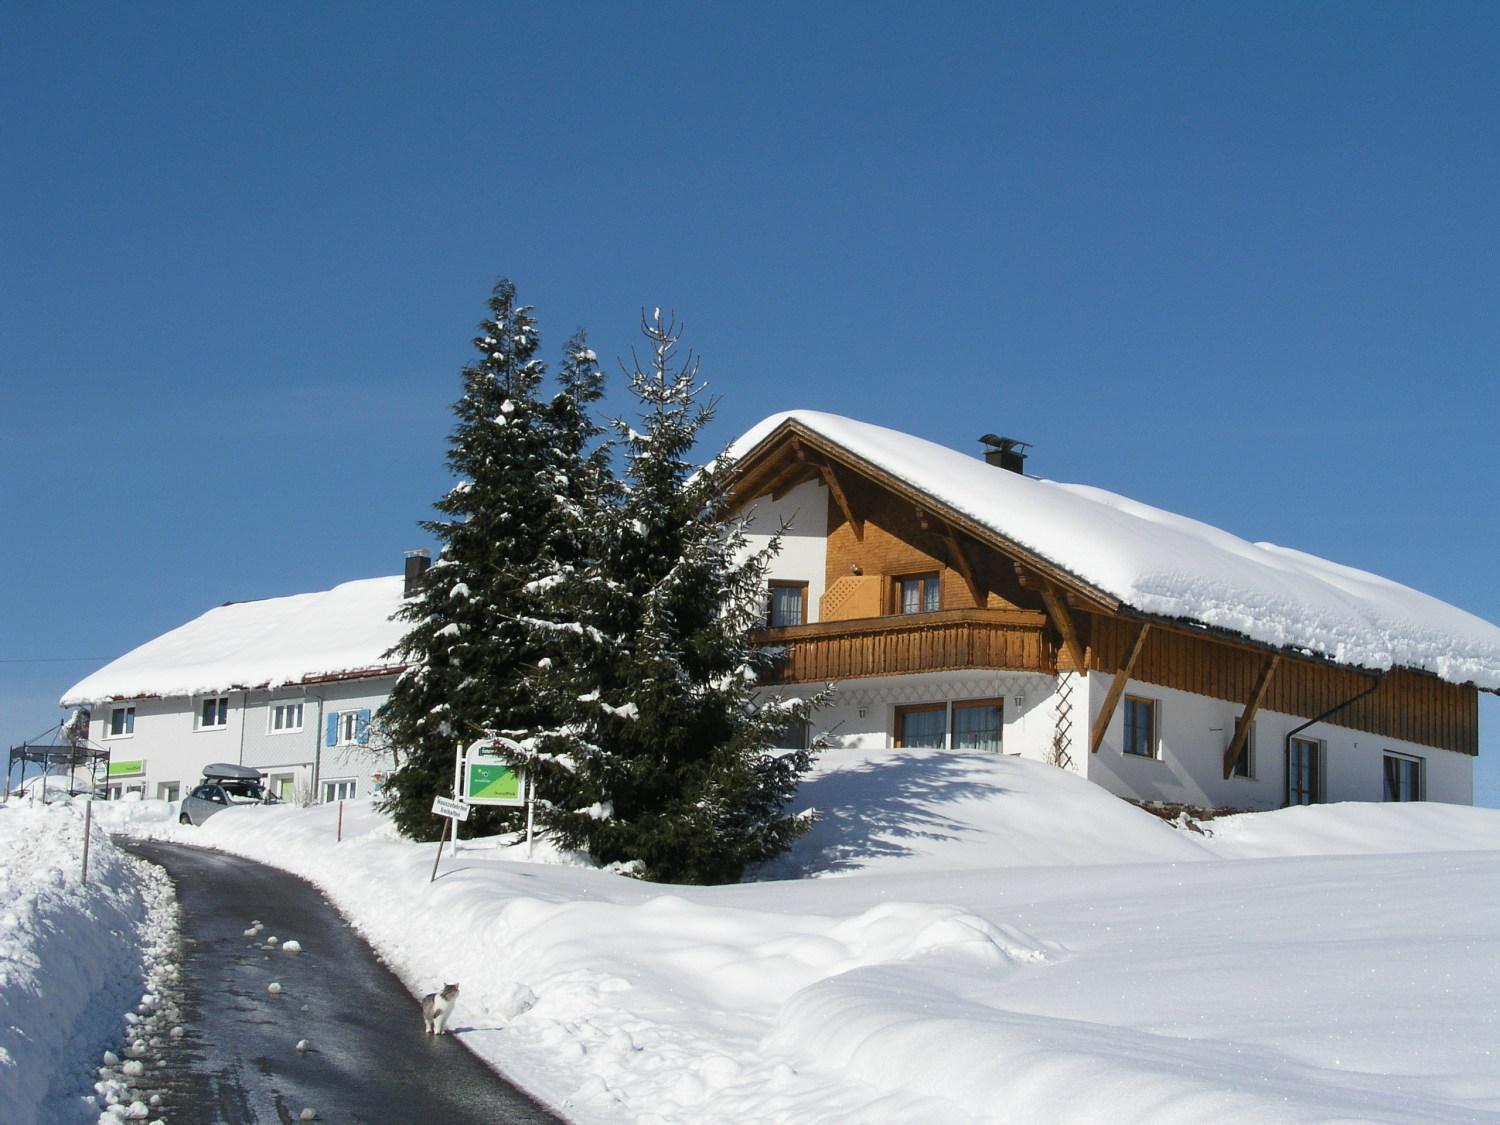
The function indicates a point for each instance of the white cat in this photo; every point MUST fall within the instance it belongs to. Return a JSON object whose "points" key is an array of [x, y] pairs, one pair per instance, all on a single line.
{"points": [[437, 1007]]}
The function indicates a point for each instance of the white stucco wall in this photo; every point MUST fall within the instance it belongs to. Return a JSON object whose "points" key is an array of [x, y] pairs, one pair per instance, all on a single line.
{"points": [[804, 547], [1195, 731], [172, 749], [167, 742], [1026, 716]]}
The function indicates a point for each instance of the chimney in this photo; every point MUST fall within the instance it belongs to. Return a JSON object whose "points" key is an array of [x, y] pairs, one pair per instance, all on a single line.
{"points": [[417, 563], [1005, 452]]}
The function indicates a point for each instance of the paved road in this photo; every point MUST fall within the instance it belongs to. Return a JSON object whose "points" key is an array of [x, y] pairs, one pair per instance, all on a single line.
{"points": [[369, 1061]]}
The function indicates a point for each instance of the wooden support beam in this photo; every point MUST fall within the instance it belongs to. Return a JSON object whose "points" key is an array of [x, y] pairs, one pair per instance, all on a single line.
{"points": [[964, 567], [1242, 728], [1117, 688], [1057, 609], [836, 490]]}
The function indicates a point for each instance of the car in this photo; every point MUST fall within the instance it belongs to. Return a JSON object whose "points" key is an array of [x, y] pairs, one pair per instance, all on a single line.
{"points": [[224, 784]]}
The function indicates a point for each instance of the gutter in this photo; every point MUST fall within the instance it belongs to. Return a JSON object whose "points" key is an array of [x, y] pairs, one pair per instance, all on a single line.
{"points": [[1335, 709]]}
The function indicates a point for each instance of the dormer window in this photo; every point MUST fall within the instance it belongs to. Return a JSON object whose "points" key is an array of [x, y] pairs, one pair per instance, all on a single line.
{"points": [[917, 593], [788, 604]]}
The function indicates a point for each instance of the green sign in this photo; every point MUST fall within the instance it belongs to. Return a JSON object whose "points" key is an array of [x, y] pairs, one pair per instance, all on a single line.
{"points": [[492, 782], [126, 769]]}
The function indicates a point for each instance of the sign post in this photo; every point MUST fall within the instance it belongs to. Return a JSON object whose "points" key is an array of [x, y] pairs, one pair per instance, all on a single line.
{"points": [[452, 812]]}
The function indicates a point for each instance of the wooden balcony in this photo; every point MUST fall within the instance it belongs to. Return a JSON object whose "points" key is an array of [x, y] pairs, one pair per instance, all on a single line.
{"points": [[912, 642]]}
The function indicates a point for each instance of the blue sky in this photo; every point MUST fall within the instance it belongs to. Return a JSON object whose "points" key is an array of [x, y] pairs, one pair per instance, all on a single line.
{"points": [[1242, 263]]}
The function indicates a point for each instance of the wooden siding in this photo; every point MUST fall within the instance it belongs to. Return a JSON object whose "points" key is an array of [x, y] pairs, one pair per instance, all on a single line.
{"points": [[893, 542], [1408, 705], [916, 642]]}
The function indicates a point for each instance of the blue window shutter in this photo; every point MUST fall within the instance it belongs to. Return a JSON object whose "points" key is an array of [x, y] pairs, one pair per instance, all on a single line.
{"points": [[362, 727], [333, 728]]}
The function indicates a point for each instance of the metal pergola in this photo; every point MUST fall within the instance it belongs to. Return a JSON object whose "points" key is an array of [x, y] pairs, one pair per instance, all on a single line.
{"points": [[86, 768]]}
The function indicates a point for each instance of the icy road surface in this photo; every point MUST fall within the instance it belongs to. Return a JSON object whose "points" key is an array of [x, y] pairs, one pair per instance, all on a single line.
{"points": [[367, 1057]]}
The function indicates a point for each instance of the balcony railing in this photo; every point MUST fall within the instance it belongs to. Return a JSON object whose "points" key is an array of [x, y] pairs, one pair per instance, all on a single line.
{"points": [[912, 642]]}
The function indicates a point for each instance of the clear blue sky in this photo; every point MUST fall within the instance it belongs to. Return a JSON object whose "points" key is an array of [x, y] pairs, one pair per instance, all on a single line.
{"points": [[1242, 262]]}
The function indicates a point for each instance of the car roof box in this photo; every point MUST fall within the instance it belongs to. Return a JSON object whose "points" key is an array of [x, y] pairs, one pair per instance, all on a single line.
{"points": [[229, 770]]}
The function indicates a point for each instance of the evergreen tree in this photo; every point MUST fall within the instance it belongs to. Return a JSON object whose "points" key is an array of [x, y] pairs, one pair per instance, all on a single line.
{"points": [[513, 518], [655, 753]]}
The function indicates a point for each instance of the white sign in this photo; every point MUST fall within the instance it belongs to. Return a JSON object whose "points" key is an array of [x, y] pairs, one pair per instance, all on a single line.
{"points": [[447, 806]]}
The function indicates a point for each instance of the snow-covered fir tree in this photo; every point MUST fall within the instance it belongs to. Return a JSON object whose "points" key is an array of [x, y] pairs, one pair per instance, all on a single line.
{"points": [[659, 757], [524, 474]]}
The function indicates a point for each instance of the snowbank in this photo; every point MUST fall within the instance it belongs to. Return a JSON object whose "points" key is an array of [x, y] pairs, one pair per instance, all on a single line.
{"points": [[1002, 943], [887, 810], [72, 957], [1172, 566], [1355, 828]]}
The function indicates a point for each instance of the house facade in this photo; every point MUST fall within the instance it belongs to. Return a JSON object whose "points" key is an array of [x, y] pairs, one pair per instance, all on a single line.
{"points": [[288, 686], [957, 603]]}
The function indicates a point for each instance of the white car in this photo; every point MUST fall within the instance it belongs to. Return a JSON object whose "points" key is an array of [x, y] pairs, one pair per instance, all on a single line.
{"points": [[224, 784]]}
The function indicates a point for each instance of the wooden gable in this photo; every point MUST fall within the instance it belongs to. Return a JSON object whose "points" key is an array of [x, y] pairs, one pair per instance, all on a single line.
{"points": [[1002, 606]]}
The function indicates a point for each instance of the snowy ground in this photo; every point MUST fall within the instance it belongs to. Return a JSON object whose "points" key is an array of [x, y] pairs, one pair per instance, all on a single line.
{"points": [[970, 938], [83, 968]]}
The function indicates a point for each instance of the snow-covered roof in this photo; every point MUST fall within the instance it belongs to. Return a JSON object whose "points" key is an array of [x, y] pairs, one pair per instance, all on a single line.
{"points": [[1165, 565], [342, 632]]}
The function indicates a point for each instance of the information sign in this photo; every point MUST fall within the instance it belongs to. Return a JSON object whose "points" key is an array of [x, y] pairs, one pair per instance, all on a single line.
{"points": [[447, 806], [487, 779]]}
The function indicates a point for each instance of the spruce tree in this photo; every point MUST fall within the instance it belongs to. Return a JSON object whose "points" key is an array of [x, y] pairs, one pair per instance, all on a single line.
{"points": [[657, 754], [524, 475]]}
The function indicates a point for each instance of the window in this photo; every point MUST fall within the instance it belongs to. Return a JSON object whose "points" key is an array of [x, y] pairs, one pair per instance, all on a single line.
{"points": [[168, 790], [917, 593], [213, 713], [976, 725], [121, 722], [1244, 765], [284, 786], [1140, 726], [1304, 772], [348, 728], [796, 735], [788, 604], [1403, 778], [922, 725], [340, 790], [286, 717]]}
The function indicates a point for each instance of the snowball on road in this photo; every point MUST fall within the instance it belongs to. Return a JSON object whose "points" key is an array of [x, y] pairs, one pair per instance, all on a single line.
{"points": [[961, 937]]}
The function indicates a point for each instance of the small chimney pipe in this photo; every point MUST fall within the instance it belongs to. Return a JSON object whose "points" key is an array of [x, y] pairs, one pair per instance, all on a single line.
{"points": [[1005, 452], [417, 562]]}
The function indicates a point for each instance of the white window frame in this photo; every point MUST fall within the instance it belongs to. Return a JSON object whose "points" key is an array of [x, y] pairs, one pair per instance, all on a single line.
{"points": [[128, 710], [328, 784], [1420, 763], [1316, 747], [348, 727], [1156, 709], [1248, 755], [283, 705], [223, 710], [274, 783], [163, 786]]}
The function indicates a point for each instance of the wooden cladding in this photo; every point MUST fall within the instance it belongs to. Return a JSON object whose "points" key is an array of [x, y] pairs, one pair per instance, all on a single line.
{"points": [[1407, 705], [925, 642]]}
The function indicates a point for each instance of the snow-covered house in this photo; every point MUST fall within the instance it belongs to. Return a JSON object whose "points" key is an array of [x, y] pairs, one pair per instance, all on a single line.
{"points": [[287, 685], [958, 602]]}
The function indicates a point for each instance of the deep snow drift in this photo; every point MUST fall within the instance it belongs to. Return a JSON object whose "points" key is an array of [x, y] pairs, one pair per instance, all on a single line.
{"points": [[76, 962], [982, 939]]}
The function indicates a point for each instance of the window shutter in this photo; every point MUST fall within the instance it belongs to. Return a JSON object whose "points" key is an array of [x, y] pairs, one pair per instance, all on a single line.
{"points": [[333, 728], [362, 728]]}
